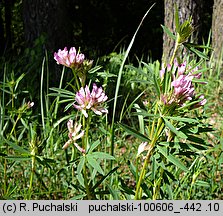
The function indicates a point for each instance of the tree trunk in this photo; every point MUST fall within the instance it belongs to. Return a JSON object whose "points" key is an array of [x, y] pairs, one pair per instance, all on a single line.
{"points": [[2, 37], [49, 18], [8, 23], [217, 32], [186, 8]]}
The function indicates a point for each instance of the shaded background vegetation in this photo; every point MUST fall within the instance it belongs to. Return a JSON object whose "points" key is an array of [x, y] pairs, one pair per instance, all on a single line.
{"points": [[98, 27], [30, 28]]}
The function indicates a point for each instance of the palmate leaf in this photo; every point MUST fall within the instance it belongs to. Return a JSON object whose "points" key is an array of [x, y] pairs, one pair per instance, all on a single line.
{"points": [[62, 93], [198, 46], [132, 168], [78, 197], [93, 146], [18, 158], [125, 187], [184, 146], [145, 113], [196, 139], [102, 156], [67, 100], [138, 70], [135, 133], [41, 180], [201, 81], [2, 154], [177, 22], [79, 171], [180, 134], [141, 81], [171, 158], [182, 119], [94, 69], [103, 178], [202, 183], [168, 32], [92, 162], [156, 84], [113, 192], [17, 147], [45, 161], [140, 119], [196, 51]]}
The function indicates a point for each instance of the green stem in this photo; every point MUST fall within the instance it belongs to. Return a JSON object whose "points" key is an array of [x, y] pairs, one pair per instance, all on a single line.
{"points": [[175, 48], [5, 176], [76, 79], [157, 187], [13, 129], [84, 137], [87, 131], [58, 97], [154, 122], [12, 99], [72, 159], [160, 126], [142, 174], [31, 176], [86, 182], [85, 146]]}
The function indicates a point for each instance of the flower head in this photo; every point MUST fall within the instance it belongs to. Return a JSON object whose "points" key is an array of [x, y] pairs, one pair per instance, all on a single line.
{"points": [[182, 85], [202, 101], [74, 134], [72, 59], [163, 70], [183, 88], [30, 104], [142, 147], [182, 68], [91, 100]]}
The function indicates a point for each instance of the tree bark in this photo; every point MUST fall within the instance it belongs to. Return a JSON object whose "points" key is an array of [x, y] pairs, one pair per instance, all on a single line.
{"points": [[217, 32], [8, 23], [186, 8], [49, 18], [2, 37]]}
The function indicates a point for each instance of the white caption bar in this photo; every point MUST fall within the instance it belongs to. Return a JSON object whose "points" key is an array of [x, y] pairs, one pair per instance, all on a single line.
{"points": [[116, 208]]}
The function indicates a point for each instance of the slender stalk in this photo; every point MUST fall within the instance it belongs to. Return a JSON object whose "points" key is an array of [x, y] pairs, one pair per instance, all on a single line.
{"points": [[84, 137], [87, 131], [72, 159], [5, 176], [142, 174], [85, 146], [31, 176], [58, 97], [118, 83], [76, 79], [175, 48], [154, 122], [13, 103], [157, 187], [13, 129], [47, 82], [160, 127], [41, 96], [2, 125], [86, 182]]}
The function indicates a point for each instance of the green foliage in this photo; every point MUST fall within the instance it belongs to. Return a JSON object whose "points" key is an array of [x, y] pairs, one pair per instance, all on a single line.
{"points": [[187, 145]]}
